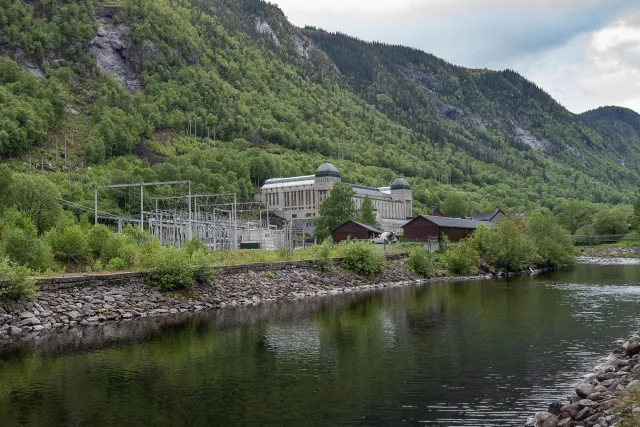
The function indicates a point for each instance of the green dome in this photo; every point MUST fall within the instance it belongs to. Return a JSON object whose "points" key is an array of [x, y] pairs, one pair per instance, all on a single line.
{"points": [[327, 169], [401, 184]]}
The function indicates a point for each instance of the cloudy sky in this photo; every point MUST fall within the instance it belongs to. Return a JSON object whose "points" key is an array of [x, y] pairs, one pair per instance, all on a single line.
{"points": [[586, 53]]}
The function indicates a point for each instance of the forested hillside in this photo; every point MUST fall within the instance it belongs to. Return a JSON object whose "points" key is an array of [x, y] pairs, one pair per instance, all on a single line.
{"points": [[228, 93]]}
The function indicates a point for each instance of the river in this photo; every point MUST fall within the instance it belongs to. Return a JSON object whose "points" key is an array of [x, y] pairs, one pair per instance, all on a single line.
{"points": [[447, 354]]}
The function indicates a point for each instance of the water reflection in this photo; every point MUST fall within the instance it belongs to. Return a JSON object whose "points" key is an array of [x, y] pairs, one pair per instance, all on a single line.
{"points": [[442, 354]]}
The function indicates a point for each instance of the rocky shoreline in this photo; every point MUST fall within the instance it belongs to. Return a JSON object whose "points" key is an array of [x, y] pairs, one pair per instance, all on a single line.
{"points": [[107, 298], [619, 252], [595, 403]]}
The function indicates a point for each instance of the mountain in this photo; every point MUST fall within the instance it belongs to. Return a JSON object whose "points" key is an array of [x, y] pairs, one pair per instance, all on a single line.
{"points": [[228, 93]]}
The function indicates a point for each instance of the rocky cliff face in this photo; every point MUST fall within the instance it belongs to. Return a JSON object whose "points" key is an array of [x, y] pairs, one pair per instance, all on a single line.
{"points": [[113, 50]]}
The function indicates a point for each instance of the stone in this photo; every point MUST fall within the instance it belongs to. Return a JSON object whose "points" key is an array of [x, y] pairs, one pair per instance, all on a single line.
{"points": [[14, 330], [584, 414], [586, 403], [584, 390], [554, 408], [38, 328], [74, 315], [127, 316], [26, 315], [595, 396], [565, 423]]}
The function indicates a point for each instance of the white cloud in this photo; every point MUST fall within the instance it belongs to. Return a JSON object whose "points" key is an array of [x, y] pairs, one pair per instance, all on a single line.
{"points": [[601, 68]]}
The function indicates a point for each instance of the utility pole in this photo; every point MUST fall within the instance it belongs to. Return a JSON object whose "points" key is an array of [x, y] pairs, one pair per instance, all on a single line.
{"points": [[141, 206], [190, 231], [95, 205]]}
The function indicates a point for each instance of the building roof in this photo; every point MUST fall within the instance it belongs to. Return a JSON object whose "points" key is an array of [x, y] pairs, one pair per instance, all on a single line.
{"points": [[361, 190], [400, 184], [365, 226], [451, 222], [327, 169], [485, 216], [288, 182]]}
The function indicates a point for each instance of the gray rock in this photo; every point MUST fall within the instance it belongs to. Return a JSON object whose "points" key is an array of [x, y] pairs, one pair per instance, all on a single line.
{"points": [[14, 330], [26, 315], [586, 403], [584, 390], [584, 414], [633, 384], [74, 315]]}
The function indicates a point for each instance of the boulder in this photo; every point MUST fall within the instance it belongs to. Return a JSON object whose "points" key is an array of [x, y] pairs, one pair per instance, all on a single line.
{"points": [[586, 403], [584, 390], [633, 384], [554, 408], [584, 414]]}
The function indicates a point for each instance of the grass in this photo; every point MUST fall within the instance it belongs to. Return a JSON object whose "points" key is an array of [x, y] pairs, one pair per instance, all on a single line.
{"points": [[628, 400]]}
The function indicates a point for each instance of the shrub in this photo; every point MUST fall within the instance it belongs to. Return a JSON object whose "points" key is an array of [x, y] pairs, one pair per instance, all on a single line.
{"points": [[506, 246], [98, 239], [27, 249], [193, 246], [37, 197], [462, 258], [116, 264], [421, 262], [202, 266], [15, 282], [362, 258], [69, 241], [322, 255], [20, 242], [169, 268], [553, 243]]}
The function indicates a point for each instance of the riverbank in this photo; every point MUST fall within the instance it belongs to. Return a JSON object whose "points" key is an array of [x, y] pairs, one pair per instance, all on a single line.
{"points": [[612, 251], [95, 299], [597, 398]]}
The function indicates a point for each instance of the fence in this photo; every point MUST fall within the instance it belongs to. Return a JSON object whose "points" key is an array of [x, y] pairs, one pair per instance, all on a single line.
{"points": [[595, 240]]}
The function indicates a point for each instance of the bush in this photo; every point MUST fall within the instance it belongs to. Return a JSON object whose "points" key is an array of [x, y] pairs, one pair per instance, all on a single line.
{"points": [[506, 246], [15, 282], [69, 241], [26, 249], [462, 258], [20, 242], [169, 268], [322, 255], [98, 238], [421, 262], [194, 245], [553, 243], [202, 267], [116, 264], [362, 258]]}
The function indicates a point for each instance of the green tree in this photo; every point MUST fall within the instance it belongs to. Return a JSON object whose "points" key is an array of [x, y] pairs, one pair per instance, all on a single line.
{"points": [[455, 205], [38, 198], [367, 215], [636, 214], [576, 214], [334, 210], [612, 221]]}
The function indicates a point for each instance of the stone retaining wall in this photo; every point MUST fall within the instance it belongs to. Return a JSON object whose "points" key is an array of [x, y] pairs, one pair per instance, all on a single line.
{"points": [[92, 299]]}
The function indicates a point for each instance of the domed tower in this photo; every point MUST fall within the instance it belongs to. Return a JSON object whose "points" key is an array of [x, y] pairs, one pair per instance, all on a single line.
{"points": [[328, 173], [401, 191]]}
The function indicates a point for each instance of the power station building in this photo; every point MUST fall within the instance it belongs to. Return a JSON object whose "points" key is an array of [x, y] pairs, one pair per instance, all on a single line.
{"points": [[300, 197]]}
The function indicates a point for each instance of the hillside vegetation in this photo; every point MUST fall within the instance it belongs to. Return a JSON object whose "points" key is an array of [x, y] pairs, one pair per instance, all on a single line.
{"points": [[229, 93]]}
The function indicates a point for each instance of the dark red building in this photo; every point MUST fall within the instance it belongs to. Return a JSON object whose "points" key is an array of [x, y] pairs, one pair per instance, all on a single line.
{"points": [[354, 230], [429, 227]]}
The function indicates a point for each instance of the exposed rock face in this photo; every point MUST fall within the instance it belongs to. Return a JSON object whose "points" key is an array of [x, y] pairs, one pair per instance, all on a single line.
{"points": [[113, 52]]}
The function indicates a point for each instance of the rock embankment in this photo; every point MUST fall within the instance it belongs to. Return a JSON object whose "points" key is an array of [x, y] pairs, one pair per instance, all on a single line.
{"points": [[595, 399], [74, 301], [622, 252]]}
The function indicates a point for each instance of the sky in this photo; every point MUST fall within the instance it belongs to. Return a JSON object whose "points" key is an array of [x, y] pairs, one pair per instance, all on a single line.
{"points": [[585, 53]]}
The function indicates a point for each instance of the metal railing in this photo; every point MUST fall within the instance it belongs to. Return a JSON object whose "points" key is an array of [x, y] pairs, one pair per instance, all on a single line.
{"points": [[613, 238]]}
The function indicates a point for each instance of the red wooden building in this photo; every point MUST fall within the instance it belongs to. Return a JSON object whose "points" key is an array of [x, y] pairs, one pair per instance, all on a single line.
{"points": [[434, 228], [354, 230]]}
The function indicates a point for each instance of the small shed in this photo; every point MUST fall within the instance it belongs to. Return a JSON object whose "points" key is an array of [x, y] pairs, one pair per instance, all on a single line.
{"points": [[494, 216], [354, 230], [434, 228]]}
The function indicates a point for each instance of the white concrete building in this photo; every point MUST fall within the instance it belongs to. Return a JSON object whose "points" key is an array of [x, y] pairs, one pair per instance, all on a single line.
{"points": [[300, 197]]}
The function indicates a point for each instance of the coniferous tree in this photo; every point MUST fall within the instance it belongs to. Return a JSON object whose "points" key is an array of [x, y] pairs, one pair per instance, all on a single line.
{"points": [[334, 210], [367, 215]]}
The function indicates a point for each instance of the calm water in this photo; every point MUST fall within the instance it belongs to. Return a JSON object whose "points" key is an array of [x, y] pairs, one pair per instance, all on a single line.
{"points": [[442, 354]]}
